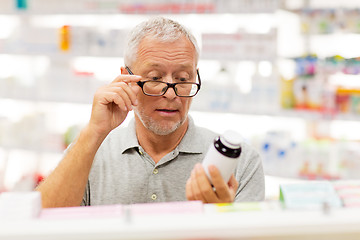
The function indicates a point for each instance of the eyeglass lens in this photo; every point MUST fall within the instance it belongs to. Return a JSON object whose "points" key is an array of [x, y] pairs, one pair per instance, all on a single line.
{"points": [[159, 88]]}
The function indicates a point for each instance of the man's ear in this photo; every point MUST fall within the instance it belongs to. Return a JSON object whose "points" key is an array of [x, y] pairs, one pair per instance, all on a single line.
{"points": [[123, 70]]}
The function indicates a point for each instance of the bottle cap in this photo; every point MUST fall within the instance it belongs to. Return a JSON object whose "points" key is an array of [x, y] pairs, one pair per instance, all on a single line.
{"points": [[231, 139]]}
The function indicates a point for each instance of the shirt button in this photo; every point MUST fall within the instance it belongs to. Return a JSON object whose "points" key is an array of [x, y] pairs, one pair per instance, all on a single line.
{"points": [[153, 197], [155, 171]]}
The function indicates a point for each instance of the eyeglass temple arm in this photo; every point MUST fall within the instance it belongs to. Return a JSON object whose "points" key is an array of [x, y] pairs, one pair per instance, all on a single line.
{"points": [[129, 71], [197, 71]]}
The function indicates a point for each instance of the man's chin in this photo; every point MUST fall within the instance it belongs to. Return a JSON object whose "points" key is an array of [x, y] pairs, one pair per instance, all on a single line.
{"points": [[163, 129]]}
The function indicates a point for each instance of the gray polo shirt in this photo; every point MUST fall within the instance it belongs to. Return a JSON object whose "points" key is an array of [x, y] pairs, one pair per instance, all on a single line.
{"points": [[123, 173]]}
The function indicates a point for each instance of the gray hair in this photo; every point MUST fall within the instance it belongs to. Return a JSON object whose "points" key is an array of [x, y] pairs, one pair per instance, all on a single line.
{"points": [[163, 29]]}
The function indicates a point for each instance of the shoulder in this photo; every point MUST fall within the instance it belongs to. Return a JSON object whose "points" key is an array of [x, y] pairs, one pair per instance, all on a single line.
{"points": [[249, 158], [249, 152], [249, 165]]}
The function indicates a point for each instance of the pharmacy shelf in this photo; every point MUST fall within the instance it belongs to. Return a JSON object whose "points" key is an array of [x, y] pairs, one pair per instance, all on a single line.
{"points": [[85, 100], [291, 5], [288, 113], [54, 53], [34, 149], [313, 115], [144, 7]]}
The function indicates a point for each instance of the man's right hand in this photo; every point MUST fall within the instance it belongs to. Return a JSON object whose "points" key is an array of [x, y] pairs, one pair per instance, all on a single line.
{"points": [[112, 103]]}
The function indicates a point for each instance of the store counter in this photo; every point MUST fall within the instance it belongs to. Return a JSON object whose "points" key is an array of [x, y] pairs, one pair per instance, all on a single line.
{"points": [[186, 220]]}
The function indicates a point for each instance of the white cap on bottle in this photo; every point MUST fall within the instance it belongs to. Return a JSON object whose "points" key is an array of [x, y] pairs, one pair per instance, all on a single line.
{"points": [[231, 139]]}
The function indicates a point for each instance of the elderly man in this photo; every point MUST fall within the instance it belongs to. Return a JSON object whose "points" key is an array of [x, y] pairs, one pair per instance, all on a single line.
{"points": [[158, 157]]}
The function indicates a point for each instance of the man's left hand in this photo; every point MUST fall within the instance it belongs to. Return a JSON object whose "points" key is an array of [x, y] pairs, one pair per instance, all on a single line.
{"points": [[198, 186]]}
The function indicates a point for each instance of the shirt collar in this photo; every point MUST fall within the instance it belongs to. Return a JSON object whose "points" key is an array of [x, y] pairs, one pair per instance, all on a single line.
{"points": [[128, 137]]}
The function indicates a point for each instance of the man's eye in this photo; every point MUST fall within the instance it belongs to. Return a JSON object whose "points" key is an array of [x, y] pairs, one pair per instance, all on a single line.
{"points": [[154, 78], [182, 79]]}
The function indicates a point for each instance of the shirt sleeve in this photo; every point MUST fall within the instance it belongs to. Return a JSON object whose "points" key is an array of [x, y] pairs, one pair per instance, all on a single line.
{"points": [[250, 175]]}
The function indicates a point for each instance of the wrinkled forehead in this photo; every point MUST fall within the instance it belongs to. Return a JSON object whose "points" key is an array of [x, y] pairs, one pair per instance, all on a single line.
{"points": [[154, 51], [178, 45]]}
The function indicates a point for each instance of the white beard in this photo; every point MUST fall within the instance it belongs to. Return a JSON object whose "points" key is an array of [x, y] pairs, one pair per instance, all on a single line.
{"points": [[155, 126]]}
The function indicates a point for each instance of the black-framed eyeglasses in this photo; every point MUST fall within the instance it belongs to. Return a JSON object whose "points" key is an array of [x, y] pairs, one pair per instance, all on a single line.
{"points": [[159, 88]]}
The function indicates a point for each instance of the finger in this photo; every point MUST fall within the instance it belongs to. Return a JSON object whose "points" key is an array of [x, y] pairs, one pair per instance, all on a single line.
{"points": [[131, 94], [109, 95], [127, 78], [113, 97], [123, 100], [125, 96], [135, 87], [195, 188], [222, 189], [205, 185]]}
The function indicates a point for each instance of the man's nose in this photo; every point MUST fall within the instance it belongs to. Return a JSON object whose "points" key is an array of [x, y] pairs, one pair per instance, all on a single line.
{"points": [[170, 92]]}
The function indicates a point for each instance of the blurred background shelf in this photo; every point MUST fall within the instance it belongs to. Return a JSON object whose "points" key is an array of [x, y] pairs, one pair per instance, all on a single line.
{"points": [[141, 7], [283, 73]]}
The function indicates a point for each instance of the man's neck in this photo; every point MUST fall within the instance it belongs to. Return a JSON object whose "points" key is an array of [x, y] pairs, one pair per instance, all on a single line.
{"points": [[157, 146]]}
